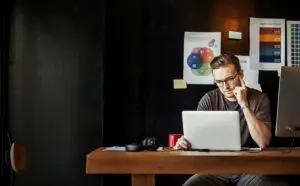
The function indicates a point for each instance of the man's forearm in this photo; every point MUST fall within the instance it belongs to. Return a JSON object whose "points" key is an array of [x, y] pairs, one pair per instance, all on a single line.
{"points": [[259, 131]]}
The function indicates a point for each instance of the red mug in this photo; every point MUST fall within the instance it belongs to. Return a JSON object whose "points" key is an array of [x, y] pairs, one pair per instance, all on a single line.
{"points": [[172, 139]]}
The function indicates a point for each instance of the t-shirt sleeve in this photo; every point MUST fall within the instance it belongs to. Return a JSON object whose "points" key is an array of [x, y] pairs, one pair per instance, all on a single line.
{"points": [[204, 103], [263, 111]]}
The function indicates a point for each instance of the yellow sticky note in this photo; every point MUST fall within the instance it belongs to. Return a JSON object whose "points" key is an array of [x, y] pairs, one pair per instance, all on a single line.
{"points": [[279, 72], [179, 84]]}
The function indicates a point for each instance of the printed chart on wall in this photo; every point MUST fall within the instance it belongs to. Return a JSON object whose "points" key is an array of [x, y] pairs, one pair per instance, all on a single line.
{"points": [[293, 43], [199, 50], [267, 43]]}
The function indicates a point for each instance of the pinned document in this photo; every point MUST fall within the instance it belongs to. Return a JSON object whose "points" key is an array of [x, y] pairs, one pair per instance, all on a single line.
{"points": [[179, 84], [279, 72], [255, 86]]}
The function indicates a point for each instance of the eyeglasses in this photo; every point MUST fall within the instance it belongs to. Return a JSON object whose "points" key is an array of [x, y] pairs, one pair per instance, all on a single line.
{"points": [[229, 80]]}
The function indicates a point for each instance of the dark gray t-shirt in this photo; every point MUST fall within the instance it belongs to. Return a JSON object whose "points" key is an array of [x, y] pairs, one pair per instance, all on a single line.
{"points": [[258, 103]]}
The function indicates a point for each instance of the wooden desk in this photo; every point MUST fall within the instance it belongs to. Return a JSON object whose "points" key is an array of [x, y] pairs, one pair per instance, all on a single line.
{"points": [[144, 165]]}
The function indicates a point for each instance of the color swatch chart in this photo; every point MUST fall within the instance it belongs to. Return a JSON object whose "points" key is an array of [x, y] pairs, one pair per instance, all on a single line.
{"points": [[293, 41], [270, 45]]}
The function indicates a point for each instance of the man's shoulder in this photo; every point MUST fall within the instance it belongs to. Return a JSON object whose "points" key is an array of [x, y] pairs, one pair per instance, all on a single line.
{"points": [[208, 100], [256, 95], [213, 93], [211, 96]]}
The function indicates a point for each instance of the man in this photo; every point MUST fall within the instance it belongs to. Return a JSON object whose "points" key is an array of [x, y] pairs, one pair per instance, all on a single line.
{"points": [[255, 120]]}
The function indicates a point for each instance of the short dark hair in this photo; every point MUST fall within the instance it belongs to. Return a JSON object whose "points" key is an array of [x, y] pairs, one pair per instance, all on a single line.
{"points": [[225, 59]]}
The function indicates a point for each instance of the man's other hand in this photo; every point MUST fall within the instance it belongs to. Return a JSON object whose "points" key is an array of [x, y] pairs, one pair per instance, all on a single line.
{"points": [[182, 143]]}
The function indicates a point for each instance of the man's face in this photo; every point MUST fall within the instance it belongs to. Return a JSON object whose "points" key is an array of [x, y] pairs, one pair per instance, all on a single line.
{"points": [[227, 79]]}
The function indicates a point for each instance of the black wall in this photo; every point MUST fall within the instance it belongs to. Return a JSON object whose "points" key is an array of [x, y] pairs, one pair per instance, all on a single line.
{"points": [[55, 88], [82, 74], [5, 173]]}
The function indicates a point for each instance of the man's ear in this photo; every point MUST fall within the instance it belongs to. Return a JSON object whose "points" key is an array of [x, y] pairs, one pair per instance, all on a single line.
{"points": [[241, 73]]}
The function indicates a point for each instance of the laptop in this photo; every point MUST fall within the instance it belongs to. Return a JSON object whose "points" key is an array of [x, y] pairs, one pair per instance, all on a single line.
{"points": [[212, 130]]}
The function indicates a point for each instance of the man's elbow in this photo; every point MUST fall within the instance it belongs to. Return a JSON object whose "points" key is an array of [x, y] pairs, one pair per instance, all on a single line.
{"points": [[265, 142], [263, 145]]}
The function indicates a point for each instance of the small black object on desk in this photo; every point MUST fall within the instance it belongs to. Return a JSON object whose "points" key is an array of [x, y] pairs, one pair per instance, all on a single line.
{"points": [[133, 148], [149, 143]]}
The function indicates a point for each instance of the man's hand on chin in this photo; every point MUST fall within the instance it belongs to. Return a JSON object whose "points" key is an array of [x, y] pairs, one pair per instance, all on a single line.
{"points": [[240, 92]]}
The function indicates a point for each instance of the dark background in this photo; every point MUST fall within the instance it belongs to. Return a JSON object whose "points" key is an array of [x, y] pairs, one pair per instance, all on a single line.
{"points": [[85, 73]]}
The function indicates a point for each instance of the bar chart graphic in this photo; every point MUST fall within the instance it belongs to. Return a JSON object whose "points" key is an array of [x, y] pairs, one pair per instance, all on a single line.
{"points": [[267, 43], [269, 46]]}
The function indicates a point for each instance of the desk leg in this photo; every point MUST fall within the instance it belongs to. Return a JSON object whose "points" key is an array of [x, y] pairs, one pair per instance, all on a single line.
{"points": [[142, 180]]}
